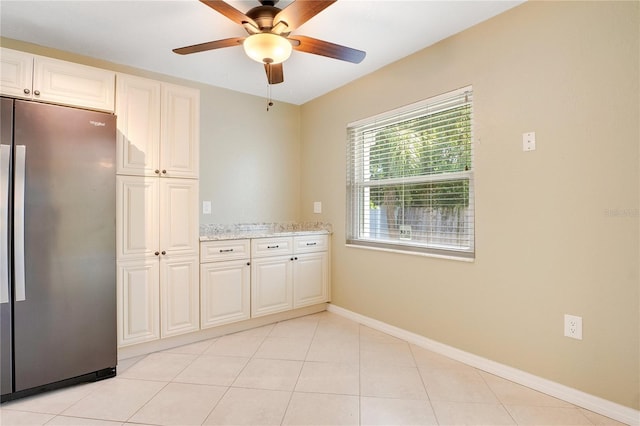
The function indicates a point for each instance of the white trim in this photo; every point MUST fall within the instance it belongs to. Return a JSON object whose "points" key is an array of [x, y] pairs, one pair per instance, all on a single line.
{"points": [[565, 393]]}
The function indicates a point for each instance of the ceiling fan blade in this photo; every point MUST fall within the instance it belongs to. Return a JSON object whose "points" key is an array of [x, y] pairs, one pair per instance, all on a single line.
{"points": [[324, 48], [274, 72], [300, 11], [210, 45], [229, 11]]}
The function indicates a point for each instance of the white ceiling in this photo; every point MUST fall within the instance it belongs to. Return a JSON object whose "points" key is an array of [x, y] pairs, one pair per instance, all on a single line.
{"points": [[141, 34]]}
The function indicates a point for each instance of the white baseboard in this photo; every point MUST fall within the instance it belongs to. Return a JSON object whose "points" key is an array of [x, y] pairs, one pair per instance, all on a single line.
{"points": [[582, 399]]}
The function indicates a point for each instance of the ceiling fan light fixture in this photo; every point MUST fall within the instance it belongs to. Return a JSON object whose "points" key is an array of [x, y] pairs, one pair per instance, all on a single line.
{"points": [[267, 48]]}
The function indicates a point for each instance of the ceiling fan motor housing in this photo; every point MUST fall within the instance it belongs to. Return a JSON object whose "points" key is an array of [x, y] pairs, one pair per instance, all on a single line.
{"points": [[263, 16]]}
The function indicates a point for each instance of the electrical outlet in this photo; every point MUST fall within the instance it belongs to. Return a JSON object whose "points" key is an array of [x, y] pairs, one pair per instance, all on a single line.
{"points": [[573, 326]]}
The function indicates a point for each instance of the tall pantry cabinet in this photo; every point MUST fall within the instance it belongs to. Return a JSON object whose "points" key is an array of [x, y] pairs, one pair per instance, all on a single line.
{"points": [[157, 202]]}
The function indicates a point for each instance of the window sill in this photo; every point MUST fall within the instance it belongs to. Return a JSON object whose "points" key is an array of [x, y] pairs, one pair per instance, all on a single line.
{"points": [[413, 253]]}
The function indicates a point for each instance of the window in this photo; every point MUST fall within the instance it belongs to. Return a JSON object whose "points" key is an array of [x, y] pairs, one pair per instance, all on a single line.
{"points": [[410, 178]]}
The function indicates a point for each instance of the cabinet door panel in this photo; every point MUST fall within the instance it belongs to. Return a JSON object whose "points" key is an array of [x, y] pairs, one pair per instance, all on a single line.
{"points": [[16, 73], [311, 279], [179, 226], [138, 111], [180, 131], [179, 295], [271, 285], [137, 217], [224, 292], [138, 301], [73, 84]]}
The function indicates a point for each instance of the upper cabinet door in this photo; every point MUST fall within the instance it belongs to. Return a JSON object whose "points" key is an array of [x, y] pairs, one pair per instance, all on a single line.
{"points": [[137, 220], [16, 73], [67, 83], [138, 111], [179, 221], [179, 149], [28, 76]]}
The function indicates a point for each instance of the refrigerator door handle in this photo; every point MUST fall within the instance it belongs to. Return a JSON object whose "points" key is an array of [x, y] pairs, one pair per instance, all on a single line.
{"points": [[18, 222], [5, 152]]}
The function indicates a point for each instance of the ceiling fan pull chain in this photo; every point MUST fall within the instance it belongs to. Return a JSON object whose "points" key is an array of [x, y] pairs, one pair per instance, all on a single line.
{"points": [[269, 101]]}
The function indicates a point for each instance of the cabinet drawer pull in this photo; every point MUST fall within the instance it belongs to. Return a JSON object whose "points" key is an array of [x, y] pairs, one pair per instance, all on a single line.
{"points": [[272, 247], [226, 250], [311, 244]]}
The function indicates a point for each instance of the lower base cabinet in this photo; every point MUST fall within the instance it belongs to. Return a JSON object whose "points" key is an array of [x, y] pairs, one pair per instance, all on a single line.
{"points": [[310, 279], [225, 292], [158, 298], [271, 285], [250, 278]]}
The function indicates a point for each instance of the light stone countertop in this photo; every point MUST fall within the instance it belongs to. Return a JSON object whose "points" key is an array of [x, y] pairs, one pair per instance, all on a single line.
{"points": [[213, 232]]}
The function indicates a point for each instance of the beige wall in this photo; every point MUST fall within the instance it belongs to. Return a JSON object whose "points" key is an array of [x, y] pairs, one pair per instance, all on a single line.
{"points": [[547, 237], [249, 158]]}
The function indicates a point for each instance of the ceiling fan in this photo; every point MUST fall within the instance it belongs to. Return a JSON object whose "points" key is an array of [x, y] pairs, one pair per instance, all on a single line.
{"points": [[270, 41]]}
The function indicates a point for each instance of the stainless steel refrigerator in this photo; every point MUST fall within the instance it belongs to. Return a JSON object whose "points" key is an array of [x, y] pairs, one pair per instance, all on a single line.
{"points": [[57, 247]]}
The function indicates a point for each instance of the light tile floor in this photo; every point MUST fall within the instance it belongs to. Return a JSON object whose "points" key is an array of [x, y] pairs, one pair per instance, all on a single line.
{"points": [[320, 369]]}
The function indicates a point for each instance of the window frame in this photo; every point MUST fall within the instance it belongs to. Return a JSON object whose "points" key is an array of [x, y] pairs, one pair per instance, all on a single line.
{"points": [[356, 183]]}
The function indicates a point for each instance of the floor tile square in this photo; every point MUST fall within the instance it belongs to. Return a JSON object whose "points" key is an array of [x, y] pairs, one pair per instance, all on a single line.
{"points": [[374, 352], [53, 402], [250, 407], [510, 393], [471, 413], [322, 409], [329, 377], [528, 415], [197, 348], [271, 374], [19, 418], [180, 404], [292, 348], [212, 370], [391, 381], [456, 386], [117, 399], [79, 421], [160, 366], [334, 350], [241, 345], [385, 411], [298, 327]]}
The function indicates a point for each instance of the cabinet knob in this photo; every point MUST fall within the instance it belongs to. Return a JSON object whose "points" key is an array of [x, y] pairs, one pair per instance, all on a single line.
{"points": [[248, 263], [164, 172], [291, 259], [157, 253], [26, 91], [36, 92], [295, 258], [164, 252], [157, 172]]}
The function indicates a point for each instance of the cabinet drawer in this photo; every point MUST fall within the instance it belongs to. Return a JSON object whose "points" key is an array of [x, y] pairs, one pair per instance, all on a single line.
{"points": [[263, 247], [310, 243], [217, 251]]}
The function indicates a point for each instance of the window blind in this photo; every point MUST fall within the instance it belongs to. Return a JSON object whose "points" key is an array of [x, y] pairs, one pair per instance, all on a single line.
{"points": [[410, 177]]}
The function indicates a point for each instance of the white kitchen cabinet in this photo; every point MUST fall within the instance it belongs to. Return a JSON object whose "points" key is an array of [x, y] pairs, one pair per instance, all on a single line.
{"points": [[271, 285], [34, 77], [179, 295], [310, 270], [138, 293], [225, 284], [157, 223], [156, 216], [158, 128], [271, 275]]}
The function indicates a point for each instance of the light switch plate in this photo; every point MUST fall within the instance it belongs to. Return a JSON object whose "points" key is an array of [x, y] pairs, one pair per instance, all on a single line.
{"points": [[529, 141], [206, 207], [317, 207]]}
